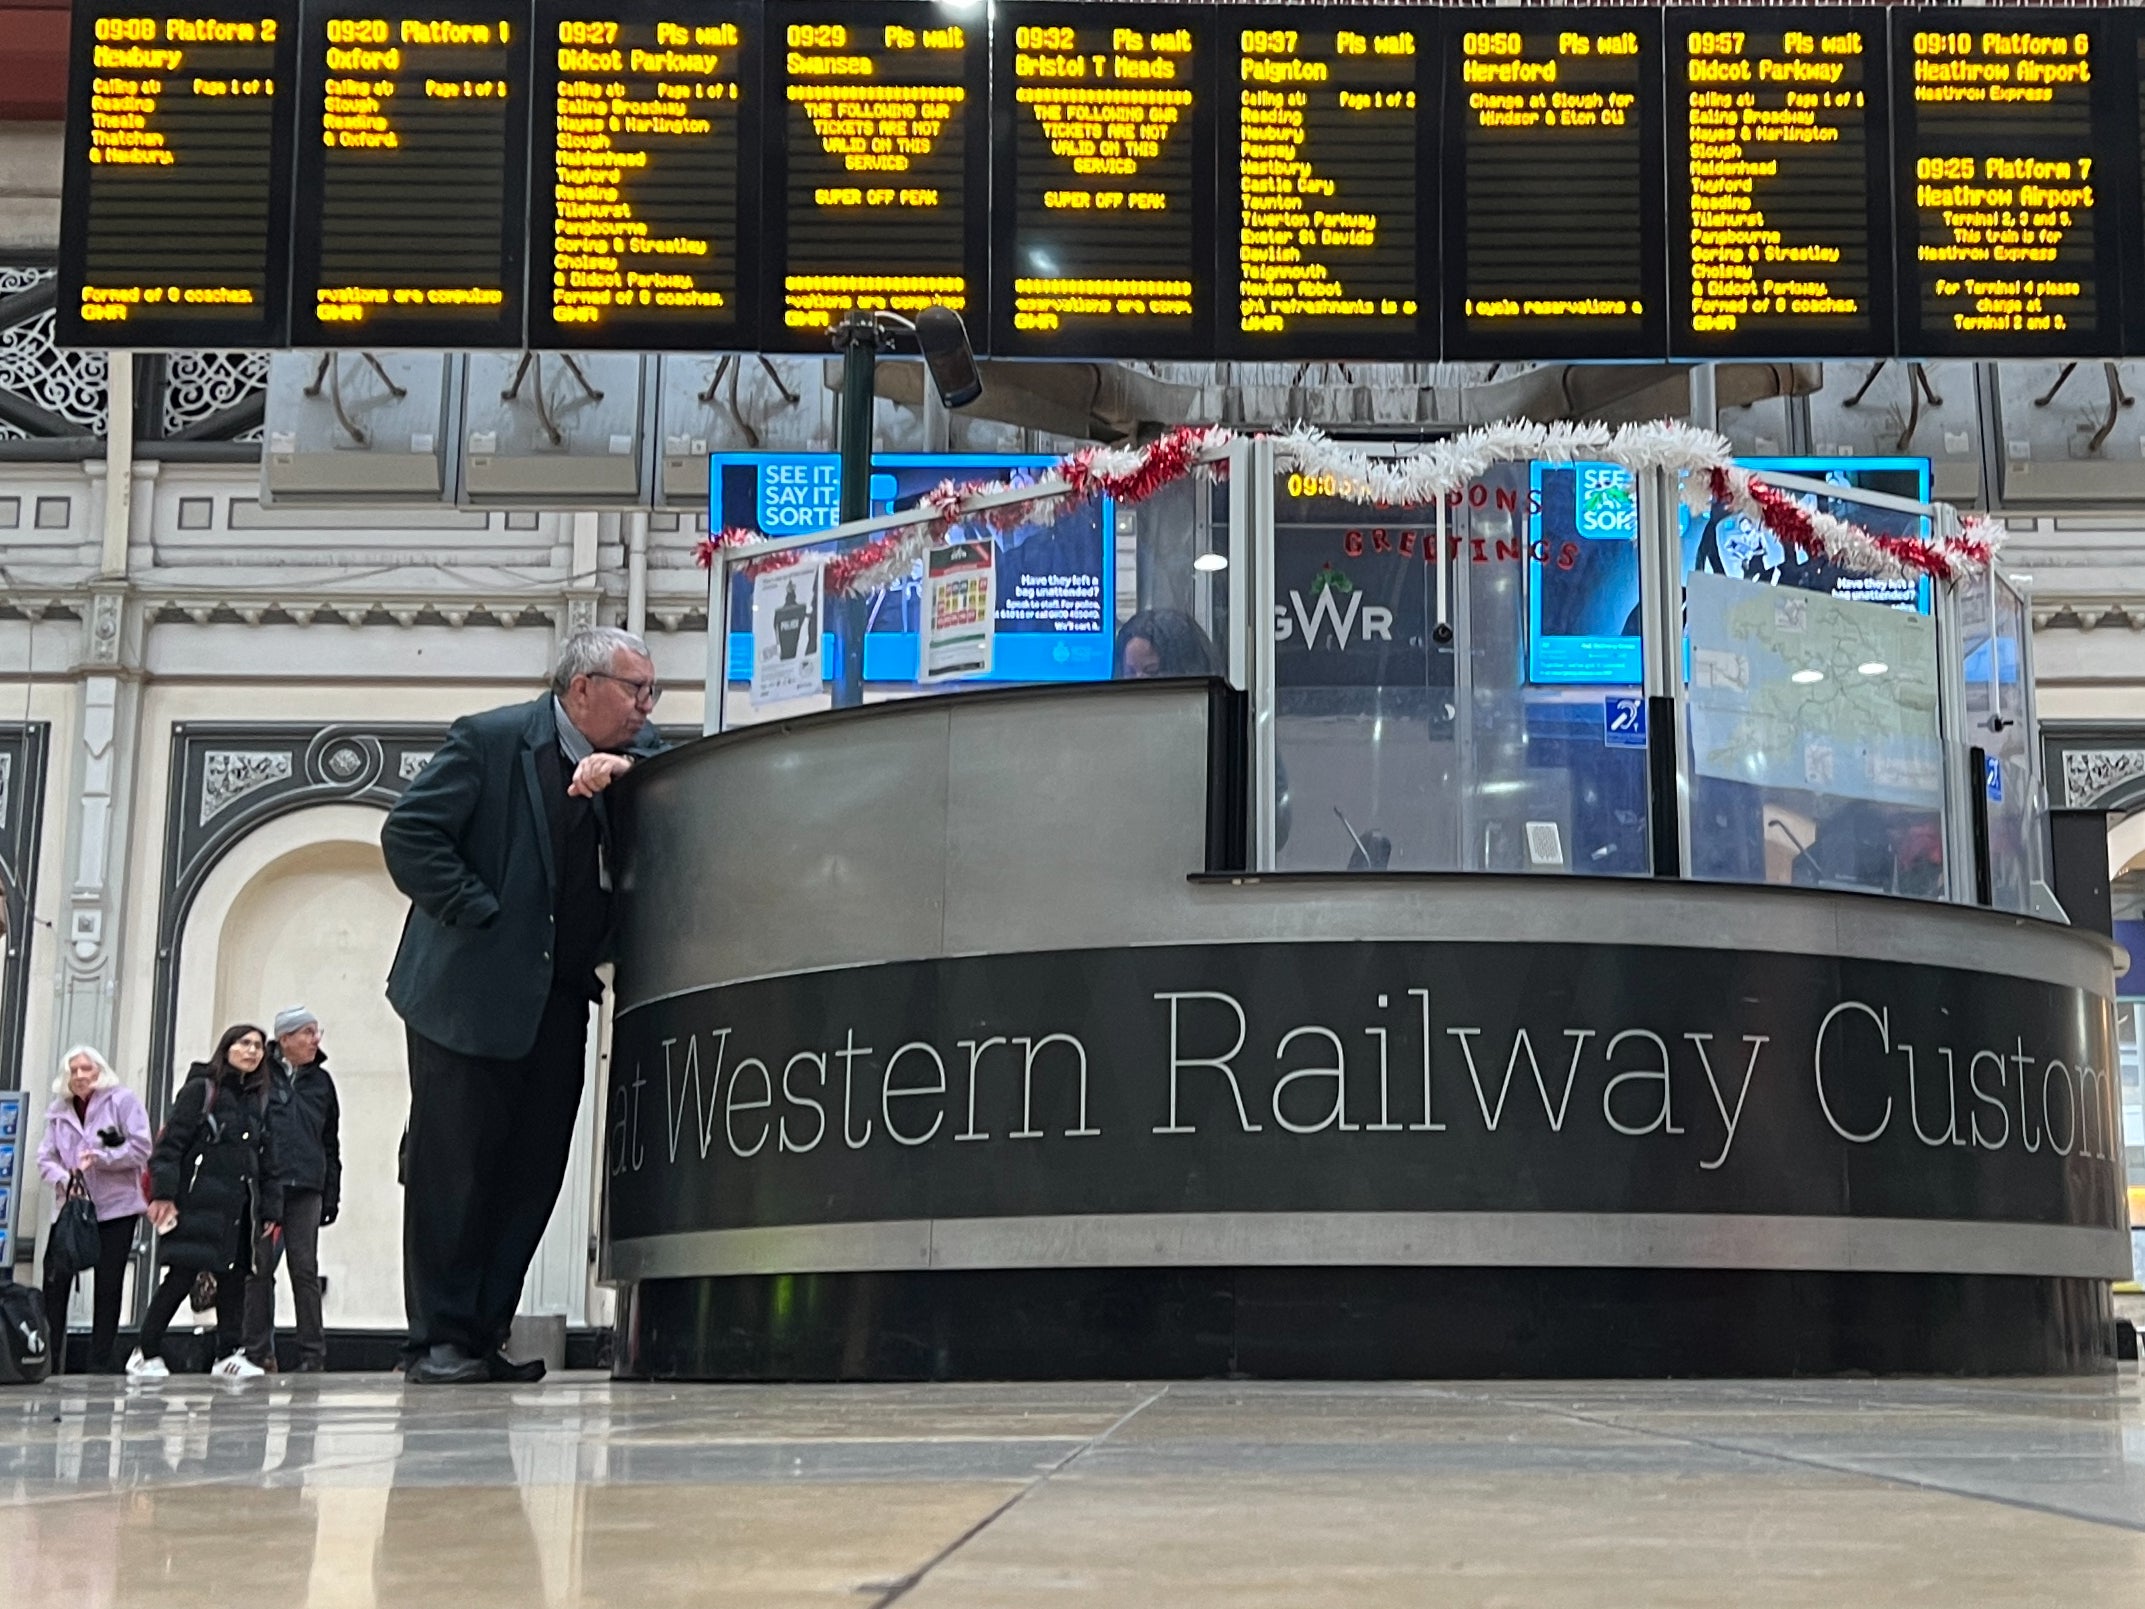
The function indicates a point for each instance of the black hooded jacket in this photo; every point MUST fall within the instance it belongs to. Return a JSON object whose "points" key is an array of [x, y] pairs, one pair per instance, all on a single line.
{"points": [[306, 1117], [215, 1160]]}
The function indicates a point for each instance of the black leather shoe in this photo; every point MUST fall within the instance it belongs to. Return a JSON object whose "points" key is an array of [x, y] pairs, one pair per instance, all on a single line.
{"points": [[507, 1371], [447, 1366]]}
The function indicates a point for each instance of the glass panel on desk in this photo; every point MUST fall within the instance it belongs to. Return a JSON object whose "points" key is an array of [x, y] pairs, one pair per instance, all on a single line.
{"points": [[1479, 715], [1367, 772], [1815, 750], [1996, 721], [1554, 713]]}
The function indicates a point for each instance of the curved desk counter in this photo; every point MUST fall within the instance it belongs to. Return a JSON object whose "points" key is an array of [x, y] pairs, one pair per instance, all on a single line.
{"points": [[937, 1054]]}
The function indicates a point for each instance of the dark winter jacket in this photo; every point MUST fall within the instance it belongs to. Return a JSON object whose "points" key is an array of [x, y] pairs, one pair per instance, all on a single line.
{"points": [[306, 1118], [216, 1161], [470, 841]]}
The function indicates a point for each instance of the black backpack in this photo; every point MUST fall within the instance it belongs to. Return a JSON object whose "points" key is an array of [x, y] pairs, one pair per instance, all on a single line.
{"points": [[26, 1344]]}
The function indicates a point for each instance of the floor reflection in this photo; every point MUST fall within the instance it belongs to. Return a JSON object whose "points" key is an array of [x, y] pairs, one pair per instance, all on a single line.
{"points": [[584, 1495]]}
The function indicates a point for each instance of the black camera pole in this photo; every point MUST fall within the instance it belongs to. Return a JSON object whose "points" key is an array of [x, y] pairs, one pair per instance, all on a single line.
{"points": [[943, 342], [859, 336]]}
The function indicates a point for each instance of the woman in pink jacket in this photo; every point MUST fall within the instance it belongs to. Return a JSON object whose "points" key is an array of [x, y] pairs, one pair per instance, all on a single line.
{"points": [[95, 1127]]}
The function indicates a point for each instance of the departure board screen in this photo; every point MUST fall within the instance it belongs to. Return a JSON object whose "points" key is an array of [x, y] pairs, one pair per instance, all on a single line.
{"points": [[2006, 229], [884, 161], [177, 180], [413, 161], [1553, 194], [1104, 201], [643, 179], [1781, 198], [1324, 240]]}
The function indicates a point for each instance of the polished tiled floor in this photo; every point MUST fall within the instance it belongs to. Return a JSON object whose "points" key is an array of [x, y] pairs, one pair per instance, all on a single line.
{"points": [[354, 1492]]}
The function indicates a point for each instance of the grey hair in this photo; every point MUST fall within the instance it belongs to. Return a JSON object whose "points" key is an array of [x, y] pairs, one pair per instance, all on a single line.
{"points": [[106, 1078], [591, 651]]}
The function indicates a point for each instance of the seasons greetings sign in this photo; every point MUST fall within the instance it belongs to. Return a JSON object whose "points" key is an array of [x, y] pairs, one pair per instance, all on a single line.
{"points": [[1369, 1077]]}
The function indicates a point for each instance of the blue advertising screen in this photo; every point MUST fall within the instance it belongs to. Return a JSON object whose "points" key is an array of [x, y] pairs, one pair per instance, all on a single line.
{"points": [[1055, 579], [1583, 561]]}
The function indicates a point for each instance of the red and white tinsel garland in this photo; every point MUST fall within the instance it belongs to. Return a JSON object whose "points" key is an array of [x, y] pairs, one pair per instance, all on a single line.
{"points": [[1441, 469]]}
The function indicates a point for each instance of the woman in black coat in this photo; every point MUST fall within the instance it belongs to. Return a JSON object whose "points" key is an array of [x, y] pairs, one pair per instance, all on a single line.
{"points": [[212, 1185]]}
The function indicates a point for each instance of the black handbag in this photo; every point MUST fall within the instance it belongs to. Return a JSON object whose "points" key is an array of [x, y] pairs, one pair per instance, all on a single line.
{"points": [[71, 1248], [25, 1335]]}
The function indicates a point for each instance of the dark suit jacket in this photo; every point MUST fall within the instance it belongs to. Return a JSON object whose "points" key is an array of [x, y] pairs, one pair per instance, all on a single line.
{"points": [[470, 843]]}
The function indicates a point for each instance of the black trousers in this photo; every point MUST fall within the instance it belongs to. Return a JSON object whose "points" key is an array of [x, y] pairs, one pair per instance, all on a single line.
{"points": [[115, 1241], [171, 1293], [488, 1145], [301, 1255]]}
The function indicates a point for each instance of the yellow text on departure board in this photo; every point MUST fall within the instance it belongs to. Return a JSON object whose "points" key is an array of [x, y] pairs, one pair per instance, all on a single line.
{"points": [[364, 56], [1106, 117], [668, 92], [880, 101], [140, 83], [1560, 105], [1754, 120], [2005, 236], [1295, 229], [1996, 67]]}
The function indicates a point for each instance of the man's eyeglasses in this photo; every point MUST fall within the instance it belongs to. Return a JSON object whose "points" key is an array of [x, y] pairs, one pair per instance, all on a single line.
{"points": [[643, 692]]}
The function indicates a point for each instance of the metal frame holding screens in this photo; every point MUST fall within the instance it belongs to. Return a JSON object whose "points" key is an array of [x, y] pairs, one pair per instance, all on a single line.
{"points": [[1135, 180], [176, 214]]}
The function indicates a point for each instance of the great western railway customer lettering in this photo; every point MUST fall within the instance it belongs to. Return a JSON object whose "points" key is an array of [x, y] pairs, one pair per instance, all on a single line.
{"points": [[1179, 1079]]}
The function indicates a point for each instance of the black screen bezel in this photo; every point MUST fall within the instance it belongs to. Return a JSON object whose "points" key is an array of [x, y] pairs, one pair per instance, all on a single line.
{"points": [[188, 331], [1883, 338], [694, 332], [503, 330]]}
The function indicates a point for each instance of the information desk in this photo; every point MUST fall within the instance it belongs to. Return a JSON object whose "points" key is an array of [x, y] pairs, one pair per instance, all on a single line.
{"points": [[940, 1051]]}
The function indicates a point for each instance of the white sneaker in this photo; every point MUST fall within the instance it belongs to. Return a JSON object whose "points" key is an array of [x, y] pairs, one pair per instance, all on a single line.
{"points": [[238, 1367], [141, 1368]]}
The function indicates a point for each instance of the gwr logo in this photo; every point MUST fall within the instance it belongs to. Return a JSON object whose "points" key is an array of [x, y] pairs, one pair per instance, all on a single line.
{"points": [[1328, 613]]}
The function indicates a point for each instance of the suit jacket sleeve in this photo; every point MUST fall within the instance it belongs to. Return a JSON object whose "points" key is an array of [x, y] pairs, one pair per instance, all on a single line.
{"points": [[422, 836], [167, 1163]]}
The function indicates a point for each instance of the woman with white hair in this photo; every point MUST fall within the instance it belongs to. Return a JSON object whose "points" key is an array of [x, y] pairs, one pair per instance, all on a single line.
{"points": [[96, 1139]]}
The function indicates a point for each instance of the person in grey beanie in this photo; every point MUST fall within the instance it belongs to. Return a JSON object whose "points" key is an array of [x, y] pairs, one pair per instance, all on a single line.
{"points": [[305, 1119]]}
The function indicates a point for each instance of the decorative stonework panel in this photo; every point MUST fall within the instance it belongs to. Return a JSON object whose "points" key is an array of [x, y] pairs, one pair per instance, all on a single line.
{"points": [[228, 775], [2089, 775], [413, 761], [200, 385], [67, 383]]}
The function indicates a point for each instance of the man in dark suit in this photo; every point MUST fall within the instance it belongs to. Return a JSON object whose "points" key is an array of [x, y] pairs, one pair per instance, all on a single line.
{"points": [[500, 843]]}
